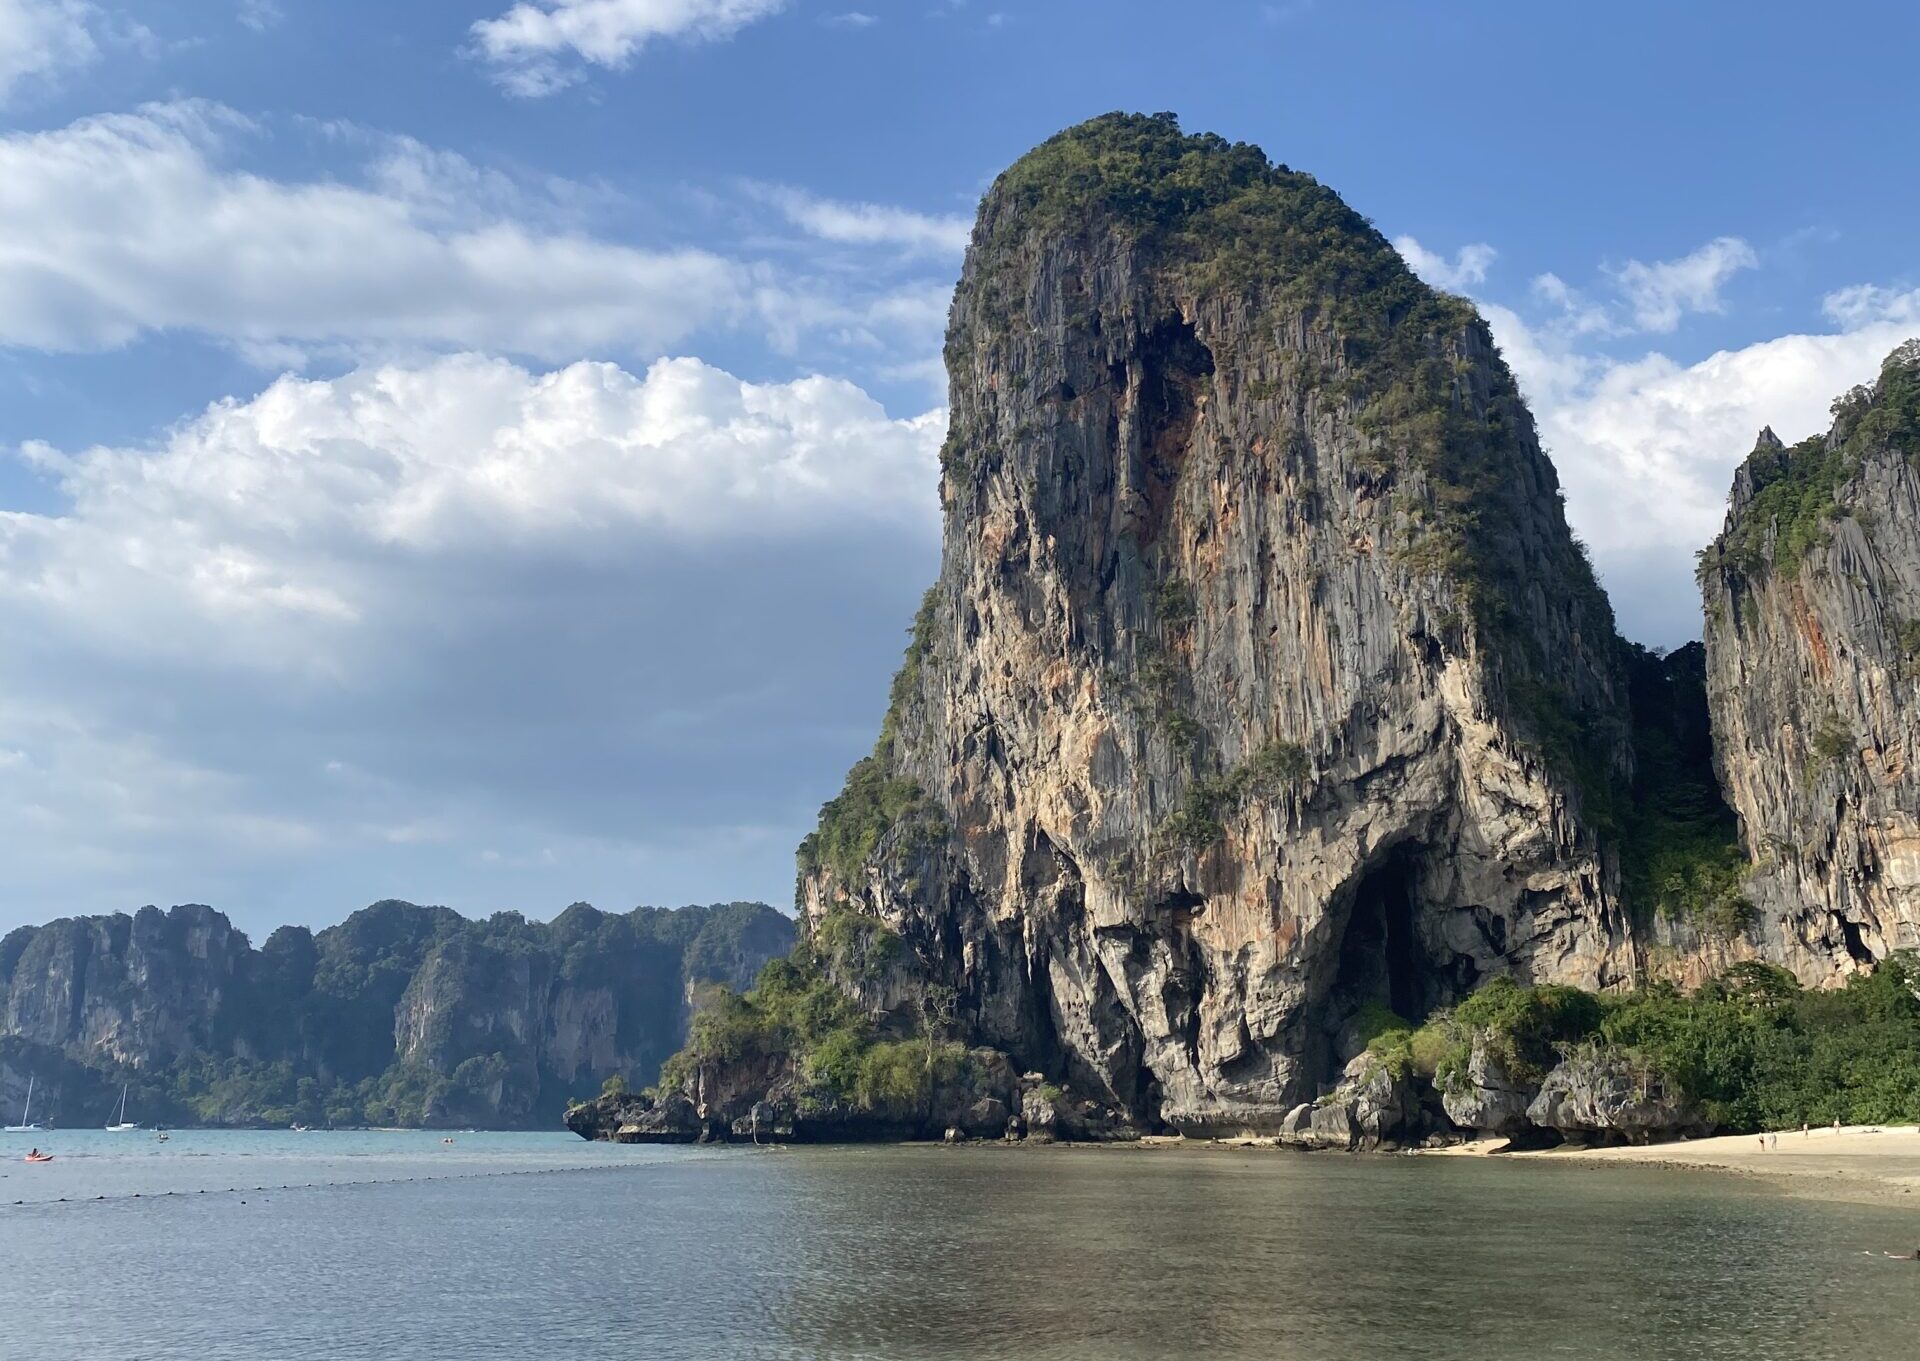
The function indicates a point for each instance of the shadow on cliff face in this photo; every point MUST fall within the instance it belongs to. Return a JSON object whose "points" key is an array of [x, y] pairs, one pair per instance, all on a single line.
{"points": [[1163, 381]]}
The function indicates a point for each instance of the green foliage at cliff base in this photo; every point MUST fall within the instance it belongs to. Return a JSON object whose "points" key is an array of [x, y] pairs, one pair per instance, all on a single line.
{"points": [[1755, 1049], [795, 1017]]}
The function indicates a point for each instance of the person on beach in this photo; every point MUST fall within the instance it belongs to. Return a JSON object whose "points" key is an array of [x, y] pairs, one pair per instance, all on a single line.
{"points": [[1836, 1124], [1773, 1141], [1804, 1131]]}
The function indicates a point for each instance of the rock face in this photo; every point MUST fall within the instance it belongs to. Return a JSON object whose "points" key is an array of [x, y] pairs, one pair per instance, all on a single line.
{"points": [[1813, 640], [1372, 1107], [1490, 1100], [1601, 1098], [1263, 680], [154, 985], [400, 1014], [637, 1118]]}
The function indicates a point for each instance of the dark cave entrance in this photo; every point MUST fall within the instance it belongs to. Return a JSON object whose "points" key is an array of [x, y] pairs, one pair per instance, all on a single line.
{"points": [[1856, 942], [1381, 959]]}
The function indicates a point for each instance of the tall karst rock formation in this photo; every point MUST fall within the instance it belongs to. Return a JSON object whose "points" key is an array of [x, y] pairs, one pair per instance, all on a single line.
{"points": [[1813, 642], [1263, 683]]}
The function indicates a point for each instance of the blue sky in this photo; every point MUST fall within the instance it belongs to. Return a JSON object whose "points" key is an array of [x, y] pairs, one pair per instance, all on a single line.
{"points": [[484, 453]]}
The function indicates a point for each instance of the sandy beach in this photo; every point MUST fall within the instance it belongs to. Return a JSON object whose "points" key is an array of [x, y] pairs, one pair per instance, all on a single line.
{"points": [[1876, 1164]]}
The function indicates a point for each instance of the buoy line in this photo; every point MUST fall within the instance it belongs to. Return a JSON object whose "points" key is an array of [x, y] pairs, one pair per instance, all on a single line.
{"points": [[334, 1185]]}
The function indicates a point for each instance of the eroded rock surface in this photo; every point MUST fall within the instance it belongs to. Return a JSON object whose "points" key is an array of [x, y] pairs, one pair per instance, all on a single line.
{"points": [[1605, 1097], [1262, 680], [1488, 1100], [1813, 640]]}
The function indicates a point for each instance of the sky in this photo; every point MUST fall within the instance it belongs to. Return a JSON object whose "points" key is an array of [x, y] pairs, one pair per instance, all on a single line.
{"points": [[485, 453]]}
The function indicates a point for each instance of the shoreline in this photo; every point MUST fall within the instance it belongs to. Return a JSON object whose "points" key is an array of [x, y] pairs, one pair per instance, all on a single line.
{"points": [[1860, 1164], [1864, 1164]]}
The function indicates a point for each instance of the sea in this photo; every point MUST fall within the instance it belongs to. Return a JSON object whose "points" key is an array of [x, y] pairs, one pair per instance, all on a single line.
{"points": [[403, 1245]]}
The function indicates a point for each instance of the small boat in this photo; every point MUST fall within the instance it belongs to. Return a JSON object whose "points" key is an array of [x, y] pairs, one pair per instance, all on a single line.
{"points": [[26, 1125], [299, 1129], [121, 1124], [38, 1157]]}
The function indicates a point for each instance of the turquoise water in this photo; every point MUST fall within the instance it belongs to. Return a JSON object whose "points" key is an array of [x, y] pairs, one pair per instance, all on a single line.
{"points": [[504, 1245]]}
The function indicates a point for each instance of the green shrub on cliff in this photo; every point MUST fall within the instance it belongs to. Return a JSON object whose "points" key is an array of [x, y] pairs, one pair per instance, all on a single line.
{"points": [[1797, 489], [875, 799], [870, 805], [1275, 769]]}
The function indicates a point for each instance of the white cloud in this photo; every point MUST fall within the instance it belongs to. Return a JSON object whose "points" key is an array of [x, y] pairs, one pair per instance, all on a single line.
{"points": [[1865, 304], [40, 38], [530, 44], [1468, 267], [260, 15], [851, 19], [869, 224], [417, 257], [268, 513], [1659, 294], [591, 610]]}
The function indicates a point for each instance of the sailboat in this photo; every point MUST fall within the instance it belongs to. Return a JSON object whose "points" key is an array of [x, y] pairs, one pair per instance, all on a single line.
{"points": [[121, 1125], [26, 1124]]}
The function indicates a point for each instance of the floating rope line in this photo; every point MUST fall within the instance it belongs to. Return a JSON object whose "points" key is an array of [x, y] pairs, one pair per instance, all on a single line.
{"points": [[342, 1185]]}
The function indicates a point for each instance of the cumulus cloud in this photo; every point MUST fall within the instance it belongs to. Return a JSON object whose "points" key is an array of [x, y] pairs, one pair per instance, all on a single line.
{"points": [[1659, 294], [1467, 268], [532, 44], [869, 224], [40, 38], [637, 622], [258, 261]]}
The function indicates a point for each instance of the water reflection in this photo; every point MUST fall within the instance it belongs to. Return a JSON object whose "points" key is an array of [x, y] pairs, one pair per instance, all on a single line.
{"points": [[933, 1254]]}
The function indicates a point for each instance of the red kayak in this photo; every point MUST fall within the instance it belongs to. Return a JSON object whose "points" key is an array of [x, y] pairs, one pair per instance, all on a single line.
{"points": [[39, 1157]]}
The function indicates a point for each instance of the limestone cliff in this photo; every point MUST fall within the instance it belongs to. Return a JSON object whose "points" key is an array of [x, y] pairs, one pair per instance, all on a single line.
{"points": [[400, 1014], [1813, 640], [1263, 683]]}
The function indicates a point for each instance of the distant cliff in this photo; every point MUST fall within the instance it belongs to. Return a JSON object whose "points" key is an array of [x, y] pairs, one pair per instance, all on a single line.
{"points": [[1812, 597], [399, 1015]]}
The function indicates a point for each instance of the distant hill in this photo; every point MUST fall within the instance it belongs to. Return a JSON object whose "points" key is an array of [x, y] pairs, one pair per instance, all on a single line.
{"points": [[400, 1015]]}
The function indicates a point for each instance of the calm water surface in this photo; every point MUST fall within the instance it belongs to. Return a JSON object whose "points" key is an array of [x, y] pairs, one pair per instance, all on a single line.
{"points": [[541, 1245]]}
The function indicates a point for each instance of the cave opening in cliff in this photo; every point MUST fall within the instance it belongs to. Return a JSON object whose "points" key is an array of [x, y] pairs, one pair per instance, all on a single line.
{"points": [[1380, 957], [1856, 943]]}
